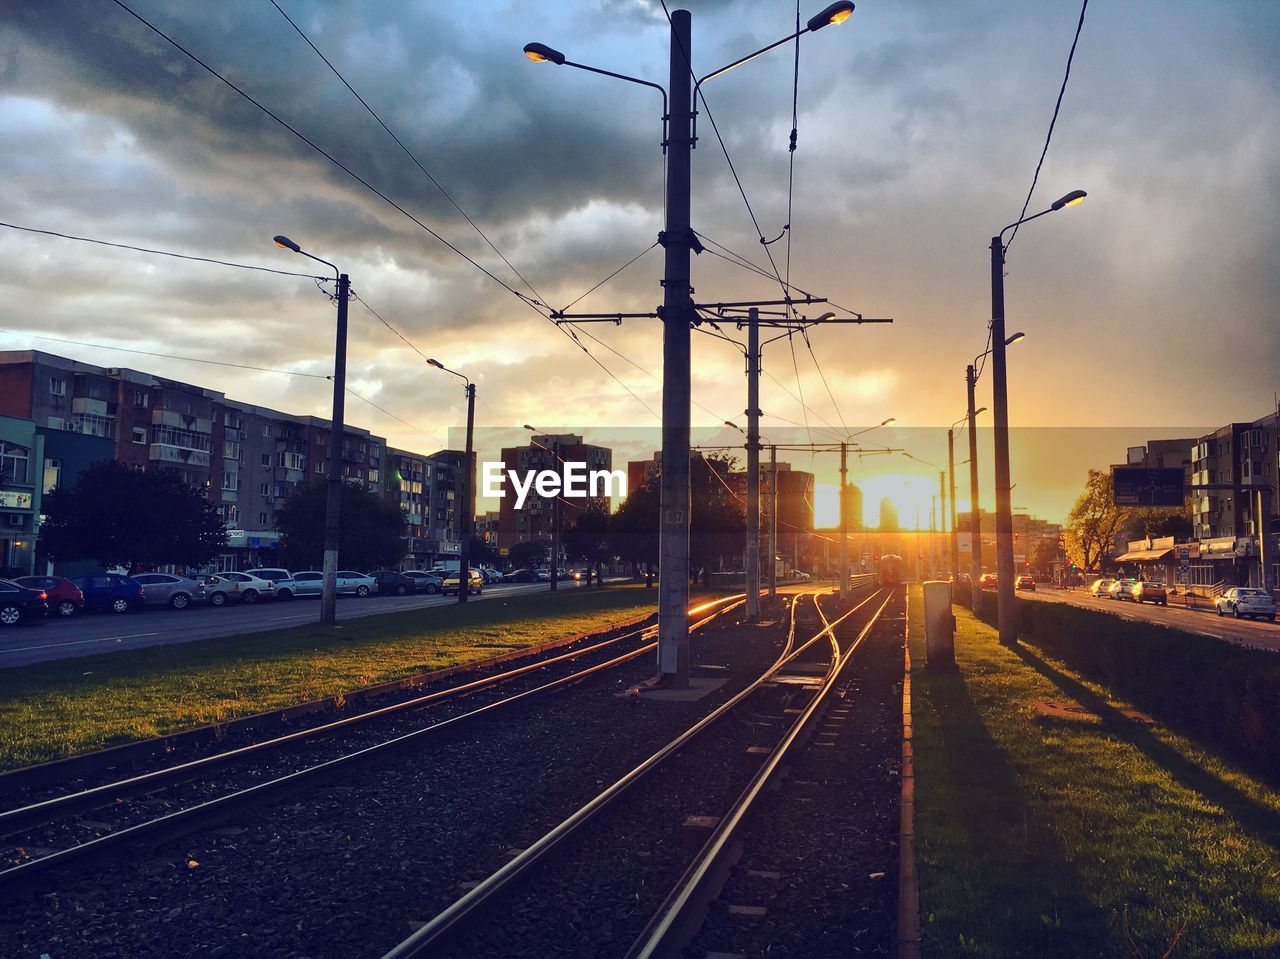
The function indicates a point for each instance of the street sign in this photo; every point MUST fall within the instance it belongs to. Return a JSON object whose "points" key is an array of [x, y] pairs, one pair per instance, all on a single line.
{"points": [[1136, 486]]}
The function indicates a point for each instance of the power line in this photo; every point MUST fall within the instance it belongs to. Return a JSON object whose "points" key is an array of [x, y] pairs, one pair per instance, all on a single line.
{"points": [[814, 356], [1054, 119], [406, 150], [610, 276], [169, 253]]}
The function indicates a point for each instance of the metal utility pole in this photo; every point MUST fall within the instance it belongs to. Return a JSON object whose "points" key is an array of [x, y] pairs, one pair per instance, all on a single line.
{"points": [[677, 314], [844, 520], [333, 500], [773, 523], [555, 524], [468, 499], [975, 510], [752, 557], [955, 533]]}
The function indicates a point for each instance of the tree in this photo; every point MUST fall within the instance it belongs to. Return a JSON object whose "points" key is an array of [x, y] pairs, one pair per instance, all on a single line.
{"points": [[1094, 522], [529, 555], [482, 554], [121, 517], [589, 537], [633, 532], [369, 536], [1158, 521], [1046, 553]]}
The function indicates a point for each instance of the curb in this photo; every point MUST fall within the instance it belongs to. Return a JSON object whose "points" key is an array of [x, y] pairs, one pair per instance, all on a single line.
{"points": [[908, 881]]}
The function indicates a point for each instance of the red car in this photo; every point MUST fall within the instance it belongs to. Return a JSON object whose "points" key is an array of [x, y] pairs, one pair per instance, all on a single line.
{"points": [[65, 597]]}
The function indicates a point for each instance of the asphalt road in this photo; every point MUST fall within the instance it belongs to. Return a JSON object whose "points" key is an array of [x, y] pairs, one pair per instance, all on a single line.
{"points": [[95, 632], [1246, 632]]}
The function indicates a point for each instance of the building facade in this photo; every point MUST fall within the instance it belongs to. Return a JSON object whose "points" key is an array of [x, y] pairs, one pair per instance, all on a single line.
{"points": [[536, 519]]}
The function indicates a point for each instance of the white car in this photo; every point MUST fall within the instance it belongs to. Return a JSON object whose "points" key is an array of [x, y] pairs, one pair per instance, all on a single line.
{"points": [[237, 588], [1241, 601], [281, 578], [311, 583]]}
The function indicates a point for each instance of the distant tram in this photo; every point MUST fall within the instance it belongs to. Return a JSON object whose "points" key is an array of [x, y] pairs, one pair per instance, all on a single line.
{"points": [[889, 569]]}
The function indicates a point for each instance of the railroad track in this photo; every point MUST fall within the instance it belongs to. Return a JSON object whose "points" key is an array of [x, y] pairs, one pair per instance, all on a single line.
{"points": [[576, 665], [486, 920]]}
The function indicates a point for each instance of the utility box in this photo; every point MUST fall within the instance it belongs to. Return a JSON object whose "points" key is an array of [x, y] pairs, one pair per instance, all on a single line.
{"points": [[939, 627]]}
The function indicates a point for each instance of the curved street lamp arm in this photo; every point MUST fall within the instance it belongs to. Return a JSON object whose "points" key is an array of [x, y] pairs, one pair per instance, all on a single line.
{"points": [[1026, 219], [741, 60], [622, 76]]}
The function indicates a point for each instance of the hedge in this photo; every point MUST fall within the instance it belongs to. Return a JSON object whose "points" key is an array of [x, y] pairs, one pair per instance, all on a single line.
{"points": [[1209, 689]]}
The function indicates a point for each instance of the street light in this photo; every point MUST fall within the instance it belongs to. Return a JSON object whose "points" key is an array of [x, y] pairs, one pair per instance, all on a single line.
{"points": [[1007, 624], [333, 496], [678, 240], [468, 486]]}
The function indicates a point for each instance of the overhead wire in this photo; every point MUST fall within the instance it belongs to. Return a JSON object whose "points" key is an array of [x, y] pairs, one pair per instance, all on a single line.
{"points": [[1052, 120], [168, 253]]}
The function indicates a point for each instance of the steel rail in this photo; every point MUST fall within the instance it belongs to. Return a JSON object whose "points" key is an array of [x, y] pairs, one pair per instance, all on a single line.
{"points": [[667, 932], [183, 820], [449, 922]]}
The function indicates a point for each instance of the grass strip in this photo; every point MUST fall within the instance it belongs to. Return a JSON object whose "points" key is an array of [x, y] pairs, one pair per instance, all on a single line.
{"points": [[67, 706], [1078, 838]]}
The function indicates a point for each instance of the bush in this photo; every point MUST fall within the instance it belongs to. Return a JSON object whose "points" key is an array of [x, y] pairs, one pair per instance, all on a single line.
{"points": [[1206, 688]]}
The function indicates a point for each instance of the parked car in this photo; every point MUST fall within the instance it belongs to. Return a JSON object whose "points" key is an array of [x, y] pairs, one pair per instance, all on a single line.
{"points": [[18, 602], [1150, 593], [1027, 583], [520, 576], [167, 589], [988, 581], [424, 581], [475, 581], [63, 596], [1101, 587], [237, 588], [490, 575], [1121, 589], [281, 579], [389, 582], [349, 583], [110, 591], [1241, 601], [542, 575]]}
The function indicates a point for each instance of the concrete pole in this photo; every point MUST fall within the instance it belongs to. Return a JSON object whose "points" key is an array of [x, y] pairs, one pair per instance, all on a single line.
{"points": [[555, 523], [773, 524], [843, 586], [468, 499], [975, 508], [333, 496], [751, 559], [1006, 617], [942, 519], [673, 585], [955, 533]]}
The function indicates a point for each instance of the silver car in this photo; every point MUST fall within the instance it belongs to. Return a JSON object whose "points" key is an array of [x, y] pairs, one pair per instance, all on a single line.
{"points": [[426, 582], [1241, 601], [237, 588], [167, 589], [282, 579], [311, 583]]}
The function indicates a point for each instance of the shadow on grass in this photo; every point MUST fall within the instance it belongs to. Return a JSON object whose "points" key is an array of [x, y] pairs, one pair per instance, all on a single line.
{"points": [[995, 879], [1260, 820]]}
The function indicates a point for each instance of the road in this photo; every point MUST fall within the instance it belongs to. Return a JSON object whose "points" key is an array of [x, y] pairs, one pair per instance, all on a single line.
{"points": [[1246, 632], [90, 633]]}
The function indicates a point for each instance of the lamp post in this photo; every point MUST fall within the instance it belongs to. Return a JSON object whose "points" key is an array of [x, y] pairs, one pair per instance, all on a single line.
{"points": [[1007, 624], [468, 486], [554, 450], [940, 501], [677, 313], [333, 497], [951, 465]]}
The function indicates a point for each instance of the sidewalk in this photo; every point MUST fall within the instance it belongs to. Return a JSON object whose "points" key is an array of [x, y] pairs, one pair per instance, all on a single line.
{"points": [[1081, 834]]}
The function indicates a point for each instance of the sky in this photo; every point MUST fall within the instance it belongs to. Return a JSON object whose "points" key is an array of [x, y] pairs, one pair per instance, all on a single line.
{"points": [[1149, 307]]}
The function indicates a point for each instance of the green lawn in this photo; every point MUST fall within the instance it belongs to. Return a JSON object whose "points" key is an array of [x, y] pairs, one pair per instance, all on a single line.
{"points": [[1052, 838], [72, 705]]}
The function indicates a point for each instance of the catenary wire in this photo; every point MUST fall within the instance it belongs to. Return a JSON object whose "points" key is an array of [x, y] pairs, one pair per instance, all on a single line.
{"points": [[400, 143], [169, 253]]}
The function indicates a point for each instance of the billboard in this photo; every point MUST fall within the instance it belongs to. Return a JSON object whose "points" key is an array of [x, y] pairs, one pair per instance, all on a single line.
{"points": [[1137, 486]]}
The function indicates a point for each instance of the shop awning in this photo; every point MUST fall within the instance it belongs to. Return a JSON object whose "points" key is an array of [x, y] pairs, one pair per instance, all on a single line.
{"points": [[1143, 556]]}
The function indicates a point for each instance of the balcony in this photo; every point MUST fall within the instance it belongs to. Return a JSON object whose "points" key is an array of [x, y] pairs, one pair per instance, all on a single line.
{"points": [[164, 453]]}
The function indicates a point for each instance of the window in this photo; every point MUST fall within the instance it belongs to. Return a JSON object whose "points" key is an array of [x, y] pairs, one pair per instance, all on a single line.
{"points": [[266, 429], [265, 489], [292, 461], [319, 467], [230, 515], [266, 459], [185, 439], [262, 519], [141, 399], [231, 420], [52, 474], [231, 481], [230, 449], [57, 386], [139, 436], [13, 463], [57, 423], [374, 475]]}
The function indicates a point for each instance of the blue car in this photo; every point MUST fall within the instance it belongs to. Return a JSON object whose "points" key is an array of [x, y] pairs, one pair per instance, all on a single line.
{"points": [[110, 591]]}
